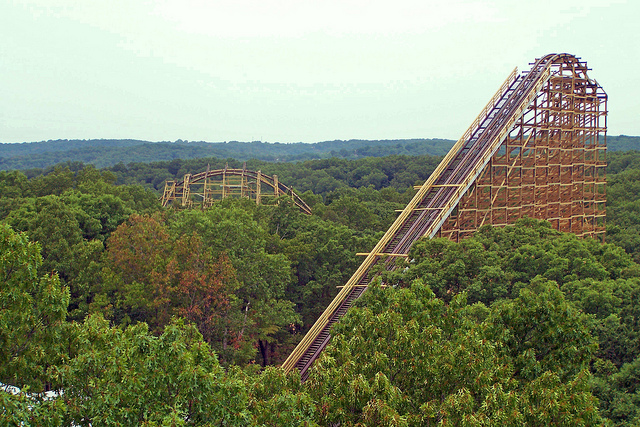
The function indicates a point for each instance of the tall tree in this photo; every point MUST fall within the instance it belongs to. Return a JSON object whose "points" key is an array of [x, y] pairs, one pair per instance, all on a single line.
{"points": [[404, 357], [32, 313], [131, 377]]}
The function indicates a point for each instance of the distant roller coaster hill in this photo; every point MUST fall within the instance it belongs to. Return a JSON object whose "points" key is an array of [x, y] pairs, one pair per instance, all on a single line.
{"points": [[205, 188]]}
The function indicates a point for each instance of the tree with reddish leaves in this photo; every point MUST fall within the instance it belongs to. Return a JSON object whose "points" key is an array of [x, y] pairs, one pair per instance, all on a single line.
{"points": [[150, 276], [204, 284], [138, 276]]}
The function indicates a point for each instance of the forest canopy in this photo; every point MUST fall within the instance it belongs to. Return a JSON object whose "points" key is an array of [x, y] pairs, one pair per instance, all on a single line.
{"points": [[130, 314], [108, 152]]}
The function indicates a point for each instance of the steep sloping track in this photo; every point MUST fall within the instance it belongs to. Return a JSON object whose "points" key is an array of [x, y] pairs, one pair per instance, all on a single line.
{"points": [[436, 199]]}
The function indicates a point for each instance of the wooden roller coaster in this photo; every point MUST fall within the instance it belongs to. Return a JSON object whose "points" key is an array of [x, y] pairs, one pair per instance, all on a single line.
{"points": [[204, 188], [536, 150]]}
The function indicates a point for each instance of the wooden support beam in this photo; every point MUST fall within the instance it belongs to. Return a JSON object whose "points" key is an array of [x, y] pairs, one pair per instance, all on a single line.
{"points": [[381, 254], [417, 187]]}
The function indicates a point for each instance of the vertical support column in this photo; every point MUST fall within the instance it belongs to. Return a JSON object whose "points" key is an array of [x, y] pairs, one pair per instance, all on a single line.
{"points": [[205, 196], [243, 183], [169, 192], [224, 183], [186, 190], [258, 187]]}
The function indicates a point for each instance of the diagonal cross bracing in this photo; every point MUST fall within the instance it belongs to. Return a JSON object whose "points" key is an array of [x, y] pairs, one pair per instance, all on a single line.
{"points": [[551, 165], [534, 105]]}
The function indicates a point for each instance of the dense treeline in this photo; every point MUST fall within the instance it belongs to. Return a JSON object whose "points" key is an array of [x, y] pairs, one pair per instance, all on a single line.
{"points": [[102, 153], [106, 152], [319, 177], [623, 201], [145, 316]]}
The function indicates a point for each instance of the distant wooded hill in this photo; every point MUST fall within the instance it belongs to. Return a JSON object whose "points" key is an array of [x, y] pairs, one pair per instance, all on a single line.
{"points": [[108, 152], [105, 152]]}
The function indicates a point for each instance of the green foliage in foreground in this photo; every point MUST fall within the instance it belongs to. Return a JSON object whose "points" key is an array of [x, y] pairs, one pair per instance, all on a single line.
{"points": [[130, 377], [404, 357], [600, 280], [401, 357], [32, 311]]}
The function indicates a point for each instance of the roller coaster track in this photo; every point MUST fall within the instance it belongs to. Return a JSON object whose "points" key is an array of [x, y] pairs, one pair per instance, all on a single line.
{"points": [[453, 180], [205, 187]]}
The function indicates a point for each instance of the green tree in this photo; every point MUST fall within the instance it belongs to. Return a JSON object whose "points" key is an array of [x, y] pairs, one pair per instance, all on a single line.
{"points": [[130, 377], [541, 331], [55, 183], [13, 184], [264, 311], [619, 392], [276, 399], [404, 357], [32, 313], [137, 278]]}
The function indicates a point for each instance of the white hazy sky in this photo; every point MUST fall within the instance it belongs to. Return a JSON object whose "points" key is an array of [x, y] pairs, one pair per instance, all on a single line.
{"points": [[292, 70]]}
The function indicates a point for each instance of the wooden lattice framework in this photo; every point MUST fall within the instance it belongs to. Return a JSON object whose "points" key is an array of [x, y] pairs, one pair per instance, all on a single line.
{"points": [[205, 188], [551, 166], [536, 149]]}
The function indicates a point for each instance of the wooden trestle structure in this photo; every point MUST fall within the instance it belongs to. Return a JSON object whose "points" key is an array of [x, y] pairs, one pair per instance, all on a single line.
{"points": [[536, 150], [204, 188]]}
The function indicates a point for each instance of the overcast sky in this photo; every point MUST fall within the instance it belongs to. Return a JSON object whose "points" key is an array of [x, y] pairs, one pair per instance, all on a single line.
{"points": [[293, 70]]}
